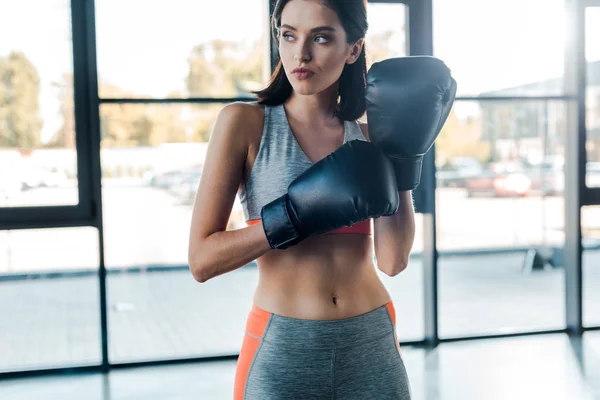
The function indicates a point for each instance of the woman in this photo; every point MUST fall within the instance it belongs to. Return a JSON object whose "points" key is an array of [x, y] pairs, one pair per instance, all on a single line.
{"points": [[322, 323]]}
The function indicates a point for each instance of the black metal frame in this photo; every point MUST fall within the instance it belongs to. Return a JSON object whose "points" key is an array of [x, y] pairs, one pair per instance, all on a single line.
{"points": [[420, 30]]}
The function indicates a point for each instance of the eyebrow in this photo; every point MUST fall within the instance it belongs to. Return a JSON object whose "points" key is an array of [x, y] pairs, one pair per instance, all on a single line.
{"points": [[318, 28]]}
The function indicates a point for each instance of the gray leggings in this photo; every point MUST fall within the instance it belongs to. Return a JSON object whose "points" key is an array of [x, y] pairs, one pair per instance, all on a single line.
{"points": [[288, 358]]}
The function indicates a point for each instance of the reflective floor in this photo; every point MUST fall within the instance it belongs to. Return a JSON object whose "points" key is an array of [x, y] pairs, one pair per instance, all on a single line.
{"points": [[50, 323], [552, 367]]}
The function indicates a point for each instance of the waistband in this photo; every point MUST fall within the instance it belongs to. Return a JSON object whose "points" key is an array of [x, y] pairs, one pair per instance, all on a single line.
{"points": [[322, 334]]}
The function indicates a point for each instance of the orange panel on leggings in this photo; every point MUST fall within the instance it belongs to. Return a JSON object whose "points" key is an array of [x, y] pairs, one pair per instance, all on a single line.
{"points": [[255, 329], [392, 312], [353, 358]]}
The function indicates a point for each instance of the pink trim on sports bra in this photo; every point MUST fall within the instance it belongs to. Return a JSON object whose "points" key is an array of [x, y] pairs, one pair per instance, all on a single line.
{"points": [[363, 227]]}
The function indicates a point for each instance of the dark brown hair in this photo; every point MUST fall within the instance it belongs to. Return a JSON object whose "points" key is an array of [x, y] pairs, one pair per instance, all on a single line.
{"points": [[352, 83]]}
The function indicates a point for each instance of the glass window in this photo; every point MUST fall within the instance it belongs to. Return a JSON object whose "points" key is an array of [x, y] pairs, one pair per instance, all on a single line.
{"points": [[500, 184], [38, 160], [592, 52], [500, 155], [590, 216], [181, 48], [502, 48], [162, 313], [386, 36], [590, 232], [406, 290], [51, 321], [152, 157]]}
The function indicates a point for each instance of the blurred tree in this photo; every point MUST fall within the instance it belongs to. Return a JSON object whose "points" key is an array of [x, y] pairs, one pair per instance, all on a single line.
{"points": [[216, 69], [5, 135], [378, 48], [460, 138], [203, 125], [64, 137], [202, 74], [221, 68], [169, 122], [124, 125], [20, 121]]}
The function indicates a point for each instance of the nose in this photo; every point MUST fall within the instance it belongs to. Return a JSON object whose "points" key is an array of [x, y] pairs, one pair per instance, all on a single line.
{"points": [[302, 51]]}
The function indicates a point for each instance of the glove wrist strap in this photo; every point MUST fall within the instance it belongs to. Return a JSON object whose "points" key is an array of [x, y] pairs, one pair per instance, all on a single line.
{"points": [[277, 224], [408, 171]]}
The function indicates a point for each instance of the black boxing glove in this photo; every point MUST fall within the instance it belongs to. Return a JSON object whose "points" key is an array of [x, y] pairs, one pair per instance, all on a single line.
{"points": [[408, 101], [354, 183]]}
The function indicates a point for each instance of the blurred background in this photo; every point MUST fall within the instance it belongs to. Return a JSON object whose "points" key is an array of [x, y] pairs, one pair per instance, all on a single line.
{"points": [[106, 108]]}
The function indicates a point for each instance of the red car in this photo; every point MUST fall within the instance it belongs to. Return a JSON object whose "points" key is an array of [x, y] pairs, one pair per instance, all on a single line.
{"points": [[499, 181]]}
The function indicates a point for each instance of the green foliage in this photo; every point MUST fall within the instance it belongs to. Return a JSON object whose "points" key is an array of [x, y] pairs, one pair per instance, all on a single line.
{"points": [[218, 68], [461, 138], [223, 69], [20, 122], [215, 70]]}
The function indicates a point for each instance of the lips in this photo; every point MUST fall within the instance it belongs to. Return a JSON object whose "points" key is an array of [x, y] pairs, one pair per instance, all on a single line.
{"points": [[302, 73]]}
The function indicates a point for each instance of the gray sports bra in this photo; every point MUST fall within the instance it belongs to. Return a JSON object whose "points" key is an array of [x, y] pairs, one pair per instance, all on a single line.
{"points": [[279, 161]]}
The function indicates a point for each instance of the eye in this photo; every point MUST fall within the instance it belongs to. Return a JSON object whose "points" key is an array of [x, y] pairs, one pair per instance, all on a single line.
{"points": [[324, 37], [286, 36]]}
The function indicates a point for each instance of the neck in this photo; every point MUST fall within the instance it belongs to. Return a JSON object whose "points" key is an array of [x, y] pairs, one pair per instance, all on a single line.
{"points": [[317, 108]]}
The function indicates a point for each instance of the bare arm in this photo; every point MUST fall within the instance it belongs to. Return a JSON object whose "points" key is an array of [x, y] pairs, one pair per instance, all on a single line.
{"points": [[394, 235], [212, 249]]}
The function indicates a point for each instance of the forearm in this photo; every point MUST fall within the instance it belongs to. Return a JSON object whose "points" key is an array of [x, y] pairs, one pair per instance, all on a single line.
{"points": [[226, 251], [394, 236]]}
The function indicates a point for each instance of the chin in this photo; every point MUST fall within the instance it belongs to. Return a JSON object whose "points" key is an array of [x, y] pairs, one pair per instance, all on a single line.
{"points": [[305, 91], [305, 88]]}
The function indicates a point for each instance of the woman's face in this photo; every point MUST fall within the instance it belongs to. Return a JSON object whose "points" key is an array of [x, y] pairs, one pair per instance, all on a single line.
{"points": [[311, 37]]}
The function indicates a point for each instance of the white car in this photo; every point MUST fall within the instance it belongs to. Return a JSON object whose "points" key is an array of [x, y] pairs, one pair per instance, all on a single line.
{"points": [[33, 177]]}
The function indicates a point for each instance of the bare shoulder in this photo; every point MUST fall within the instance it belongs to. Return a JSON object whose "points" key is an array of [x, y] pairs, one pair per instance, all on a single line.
{"points": [[241, 118], [243, 109], [364, 127]]}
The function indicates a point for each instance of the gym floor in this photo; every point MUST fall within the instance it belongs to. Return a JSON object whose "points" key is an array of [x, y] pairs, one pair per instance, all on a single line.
{"points": [[165, 315], [549, 366]]}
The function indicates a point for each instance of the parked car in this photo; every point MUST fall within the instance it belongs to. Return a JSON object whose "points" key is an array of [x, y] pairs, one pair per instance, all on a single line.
{"points": [[456, 172], [500, 180], [164, 180], [548, 177]]}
